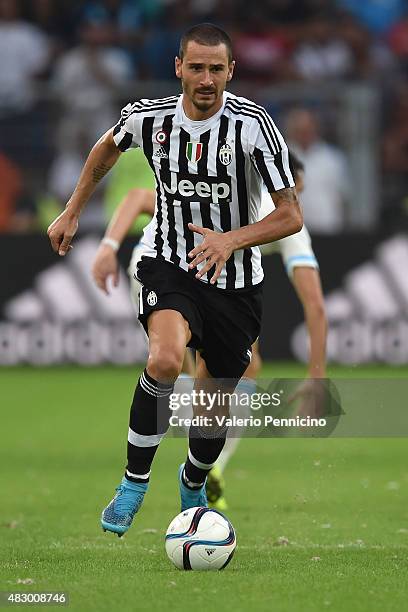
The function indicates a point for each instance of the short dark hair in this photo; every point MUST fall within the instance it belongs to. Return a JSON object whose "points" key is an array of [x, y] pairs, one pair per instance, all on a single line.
{"points": [[206, 34], [295, 165]]}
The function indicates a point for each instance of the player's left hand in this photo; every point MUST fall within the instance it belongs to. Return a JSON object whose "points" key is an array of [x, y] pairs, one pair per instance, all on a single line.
{"points": [[105, 266], [313, 397], [216, 248]]}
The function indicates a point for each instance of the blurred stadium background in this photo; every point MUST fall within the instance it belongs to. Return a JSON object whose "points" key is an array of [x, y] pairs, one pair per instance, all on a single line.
{"points": [[333, 74], [322, 524]]}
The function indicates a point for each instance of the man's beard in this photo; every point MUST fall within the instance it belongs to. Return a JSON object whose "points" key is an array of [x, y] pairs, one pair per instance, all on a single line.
{"points": [[203, 105]]}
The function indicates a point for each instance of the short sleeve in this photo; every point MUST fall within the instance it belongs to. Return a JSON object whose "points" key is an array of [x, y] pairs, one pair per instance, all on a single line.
{"points": [[127, 133], [270, 154]]}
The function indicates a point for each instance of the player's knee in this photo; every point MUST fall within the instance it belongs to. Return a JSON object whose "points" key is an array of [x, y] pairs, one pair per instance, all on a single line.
{"points": [[165, 363], [256, 362]]}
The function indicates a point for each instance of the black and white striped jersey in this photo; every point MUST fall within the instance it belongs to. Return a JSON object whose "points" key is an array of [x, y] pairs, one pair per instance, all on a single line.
{"points": [[207, 172]]}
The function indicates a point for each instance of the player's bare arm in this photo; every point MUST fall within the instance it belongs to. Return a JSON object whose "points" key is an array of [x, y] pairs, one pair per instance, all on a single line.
{"points": [[101, 159], [105, 265], [285, 220], [311, 395], [309, 290], [216, 247]]}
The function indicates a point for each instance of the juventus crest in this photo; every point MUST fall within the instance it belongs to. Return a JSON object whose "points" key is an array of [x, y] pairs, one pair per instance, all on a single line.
{"points": [[225, 154]]}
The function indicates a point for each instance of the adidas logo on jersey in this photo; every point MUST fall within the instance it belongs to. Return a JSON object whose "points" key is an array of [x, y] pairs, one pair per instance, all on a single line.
{"points": [[161, 153]]}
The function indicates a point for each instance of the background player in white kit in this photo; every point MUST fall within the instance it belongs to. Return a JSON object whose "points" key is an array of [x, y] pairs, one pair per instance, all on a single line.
{"points": [[302, 268]]}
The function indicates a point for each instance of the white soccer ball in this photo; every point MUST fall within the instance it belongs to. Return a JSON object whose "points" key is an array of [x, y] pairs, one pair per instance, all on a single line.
{"points": [[200, 539]]}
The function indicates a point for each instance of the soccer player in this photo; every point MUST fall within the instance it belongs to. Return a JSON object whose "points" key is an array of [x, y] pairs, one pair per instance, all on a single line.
{"points": [[210, 151], [301, 266]]}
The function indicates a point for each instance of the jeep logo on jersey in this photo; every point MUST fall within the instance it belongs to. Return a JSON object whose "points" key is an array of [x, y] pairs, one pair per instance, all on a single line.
{"points": [[195, 189], [225, 155], [194, 150]]}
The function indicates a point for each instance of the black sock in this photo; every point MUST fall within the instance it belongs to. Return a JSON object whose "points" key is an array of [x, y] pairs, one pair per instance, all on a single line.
{"points": [[149, 421], [203, 452]]}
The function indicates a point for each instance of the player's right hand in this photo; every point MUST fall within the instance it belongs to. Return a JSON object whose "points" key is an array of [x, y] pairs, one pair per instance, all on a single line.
{"points": [[105, 265], [61, 232]]}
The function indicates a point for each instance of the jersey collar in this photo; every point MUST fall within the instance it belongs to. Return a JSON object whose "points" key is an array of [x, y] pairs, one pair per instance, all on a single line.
{"points": [[198, 126]]}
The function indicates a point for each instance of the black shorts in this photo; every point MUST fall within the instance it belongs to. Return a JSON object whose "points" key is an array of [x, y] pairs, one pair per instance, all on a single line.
{"points": [[224, 323]]}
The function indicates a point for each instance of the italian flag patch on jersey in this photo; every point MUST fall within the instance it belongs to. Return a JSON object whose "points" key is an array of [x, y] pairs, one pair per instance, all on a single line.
{"points": [[194, 151]]}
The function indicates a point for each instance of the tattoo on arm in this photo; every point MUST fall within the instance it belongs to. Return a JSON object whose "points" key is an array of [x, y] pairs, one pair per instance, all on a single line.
{"points": [[99, 172], [285, 195]]}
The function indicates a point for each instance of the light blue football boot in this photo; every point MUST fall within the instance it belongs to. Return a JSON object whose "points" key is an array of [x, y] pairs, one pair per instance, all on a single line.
{"points": [[118, 514], [190, 498]]}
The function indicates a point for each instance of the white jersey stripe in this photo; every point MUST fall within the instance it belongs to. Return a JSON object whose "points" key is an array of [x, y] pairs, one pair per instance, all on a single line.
{"points": [[247, 111], [181, 242], [262, 116]]}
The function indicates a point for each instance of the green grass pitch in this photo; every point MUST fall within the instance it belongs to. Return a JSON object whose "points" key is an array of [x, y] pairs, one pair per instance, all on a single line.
{"points": [[340, 503]]}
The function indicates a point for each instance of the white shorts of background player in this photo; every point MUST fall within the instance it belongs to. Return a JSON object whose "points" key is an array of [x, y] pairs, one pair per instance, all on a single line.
{"points": [[135, 285]]}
